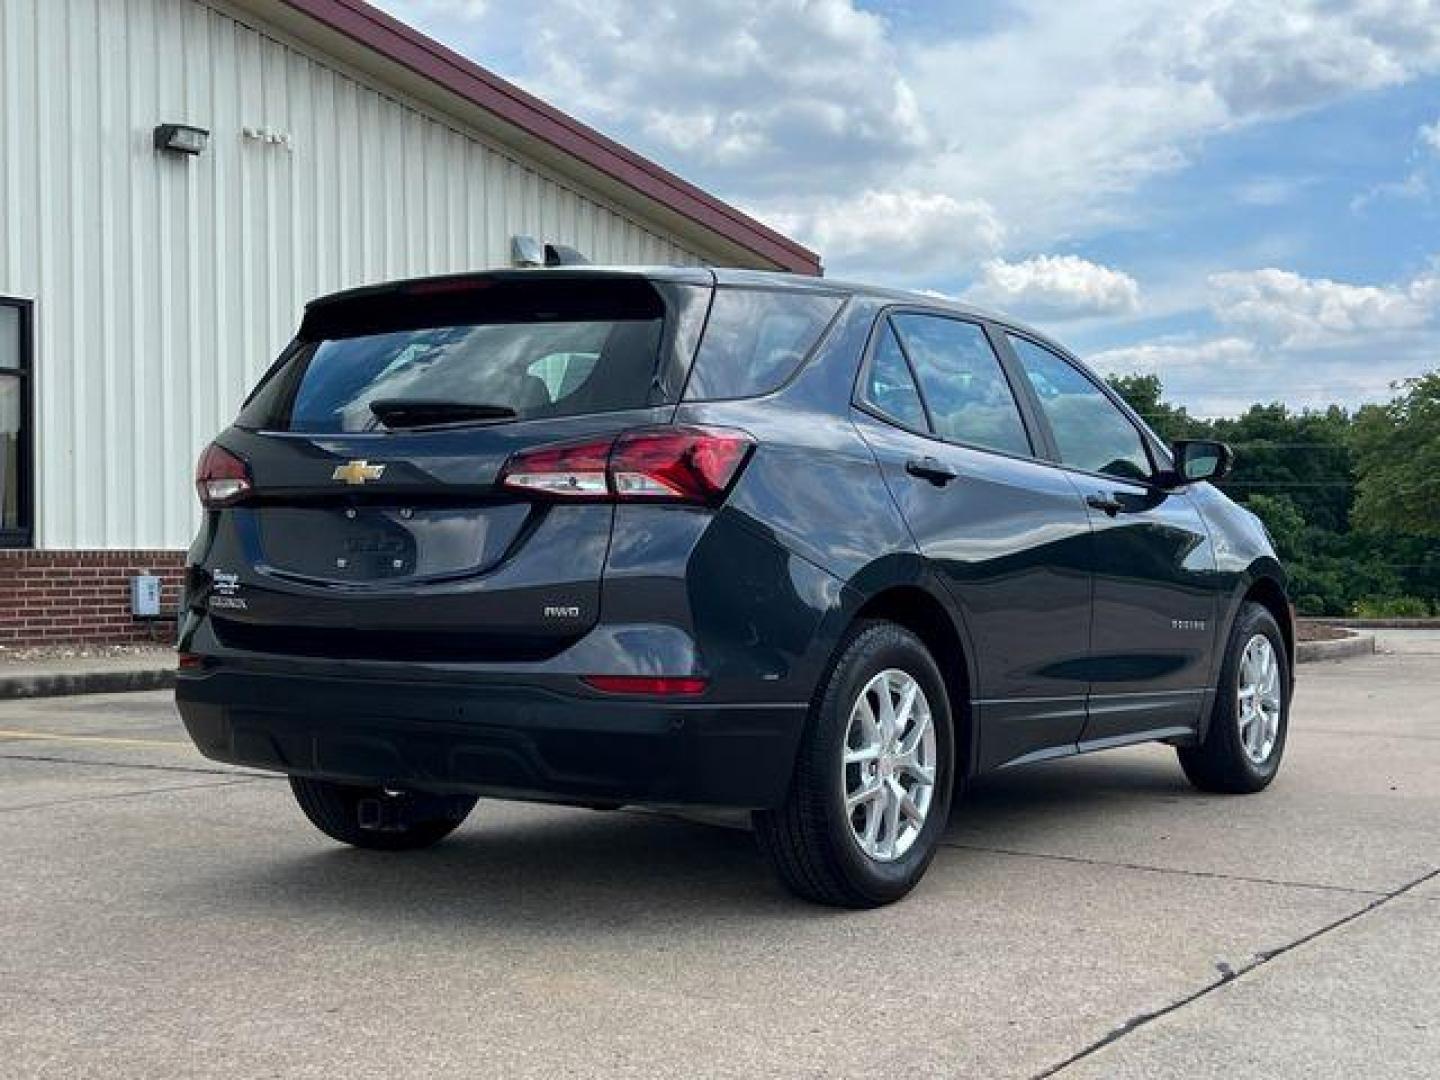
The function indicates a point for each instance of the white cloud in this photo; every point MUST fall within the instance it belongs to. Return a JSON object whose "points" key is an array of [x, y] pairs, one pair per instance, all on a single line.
{"points": [[1055, 287], [1042, 126], [1211, 376], [1284, 308], [1156, 358], [762, 94], [1429, 136], [1058, 117], [1307, 341], [1263, 59], [905, 232], [1417, 184], [1225, 375]]}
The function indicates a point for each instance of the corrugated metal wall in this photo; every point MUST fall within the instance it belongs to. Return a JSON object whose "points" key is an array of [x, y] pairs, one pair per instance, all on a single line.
{"points": [[164, 284]]}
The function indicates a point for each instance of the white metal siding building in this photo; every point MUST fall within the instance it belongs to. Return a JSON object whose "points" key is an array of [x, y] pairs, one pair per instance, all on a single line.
{"points": [[142, 291]]}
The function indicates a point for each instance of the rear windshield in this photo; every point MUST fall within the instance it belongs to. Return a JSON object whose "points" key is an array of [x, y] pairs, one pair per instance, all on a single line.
{"points": [[755, 339], [490, 355]]}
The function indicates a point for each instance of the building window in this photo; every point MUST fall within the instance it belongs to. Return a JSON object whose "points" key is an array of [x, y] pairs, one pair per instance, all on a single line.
{"points": [[16, 427]]}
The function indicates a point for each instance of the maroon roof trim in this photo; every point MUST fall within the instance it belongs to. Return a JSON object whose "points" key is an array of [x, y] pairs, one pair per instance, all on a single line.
{"points": [[408, 47]]}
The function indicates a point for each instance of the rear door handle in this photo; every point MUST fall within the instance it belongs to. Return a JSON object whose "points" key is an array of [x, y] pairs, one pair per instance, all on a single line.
{"points": [[932, 469], [1101, 501]]}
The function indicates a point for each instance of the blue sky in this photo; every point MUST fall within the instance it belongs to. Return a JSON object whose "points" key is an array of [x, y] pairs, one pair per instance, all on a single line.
{"points": [[1242, 196]]}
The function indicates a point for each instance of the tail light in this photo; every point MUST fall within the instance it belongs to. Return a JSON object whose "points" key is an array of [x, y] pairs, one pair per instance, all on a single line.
{"points": [[673, 464], [221, 478], [648, 685], [568, 470]]}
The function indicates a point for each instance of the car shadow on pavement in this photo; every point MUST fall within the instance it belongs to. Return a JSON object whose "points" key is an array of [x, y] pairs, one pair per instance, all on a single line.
{"points": [[1034, 803], [559, 869], [571, 869], [1092, 781]]}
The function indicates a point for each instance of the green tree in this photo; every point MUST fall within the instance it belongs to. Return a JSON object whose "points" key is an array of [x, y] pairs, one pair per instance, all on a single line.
{"points": [[1305, 456], [1398, 450], [1145, 394], [1300, 473], [1284, 522]]}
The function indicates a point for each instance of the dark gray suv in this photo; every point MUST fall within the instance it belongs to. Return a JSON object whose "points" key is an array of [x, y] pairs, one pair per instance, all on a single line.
{"points": [[683, 537]]}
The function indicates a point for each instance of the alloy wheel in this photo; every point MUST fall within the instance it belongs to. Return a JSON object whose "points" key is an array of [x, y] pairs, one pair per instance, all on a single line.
{"points": [[889, 765], [1258, 699]]}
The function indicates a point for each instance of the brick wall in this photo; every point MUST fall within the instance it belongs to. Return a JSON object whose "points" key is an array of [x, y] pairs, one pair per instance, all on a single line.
{"points": [[83, 597]]}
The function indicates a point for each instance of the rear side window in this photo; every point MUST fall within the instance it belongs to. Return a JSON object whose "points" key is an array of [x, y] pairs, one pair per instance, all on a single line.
{"points": [[1092, 434], [969, 397], [502, 352], [755, 339], [889, 385]]}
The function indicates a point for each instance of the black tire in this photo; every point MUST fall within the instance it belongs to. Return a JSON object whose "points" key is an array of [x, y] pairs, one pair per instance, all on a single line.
{"points": [[1220, 762], [402, 822], [808, 839]]}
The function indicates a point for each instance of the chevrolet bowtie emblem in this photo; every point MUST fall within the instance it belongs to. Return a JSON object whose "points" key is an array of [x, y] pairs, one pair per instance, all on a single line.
{"points": [[357, 472]]}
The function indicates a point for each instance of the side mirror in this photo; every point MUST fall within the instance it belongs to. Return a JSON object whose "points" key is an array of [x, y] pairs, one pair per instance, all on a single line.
{"points": [[1200, 459]]}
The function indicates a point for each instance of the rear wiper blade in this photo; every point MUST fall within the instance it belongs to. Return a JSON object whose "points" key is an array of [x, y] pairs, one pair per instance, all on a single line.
{"points": [[416, 412]]}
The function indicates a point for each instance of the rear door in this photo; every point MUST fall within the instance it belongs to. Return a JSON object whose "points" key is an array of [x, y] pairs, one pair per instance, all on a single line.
{"points": [[377, 528], [1154, 567], [1006, 533]]}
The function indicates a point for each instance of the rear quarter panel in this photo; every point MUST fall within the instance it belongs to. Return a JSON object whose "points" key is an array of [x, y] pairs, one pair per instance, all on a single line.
{"points": [[810, 531], [813, 483]]}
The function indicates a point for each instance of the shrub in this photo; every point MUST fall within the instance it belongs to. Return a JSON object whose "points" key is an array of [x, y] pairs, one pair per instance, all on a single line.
{"points": [[1392, 607]]}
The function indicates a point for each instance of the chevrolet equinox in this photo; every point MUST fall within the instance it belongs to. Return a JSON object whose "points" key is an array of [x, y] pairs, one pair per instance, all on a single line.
{"points": [[695, 538]]}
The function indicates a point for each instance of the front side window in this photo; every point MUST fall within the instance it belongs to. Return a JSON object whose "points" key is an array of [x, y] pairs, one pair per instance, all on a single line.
{"points": [[755, 339], [15, 512], [964, 385], [1091, 432]]}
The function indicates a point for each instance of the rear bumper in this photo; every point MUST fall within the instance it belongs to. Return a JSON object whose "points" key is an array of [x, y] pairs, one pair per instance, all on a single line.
{"points": [[493, 737]]}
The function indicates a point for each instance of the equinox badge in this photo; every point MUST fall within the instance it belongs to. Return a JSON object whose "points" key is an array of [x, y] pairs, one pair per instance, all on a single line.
{"points": [[357, 472]]}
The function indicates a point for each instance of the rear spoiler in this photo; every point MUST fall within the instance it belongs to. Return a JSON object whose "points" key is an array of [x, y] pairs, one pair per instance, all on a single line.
{"points": [[493, 296]]}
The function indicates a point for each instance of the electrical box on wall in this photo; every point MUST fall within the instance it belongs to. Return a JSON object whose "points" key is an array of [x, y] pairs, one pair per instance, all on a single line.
{"points": [[145, 596]]}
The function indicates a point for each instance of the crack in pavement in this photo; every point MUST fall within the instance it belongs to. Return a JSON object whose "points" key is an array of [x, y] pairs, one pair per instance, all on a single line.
{"points": [[1148, 868], [1228, 975], [127, 794]]}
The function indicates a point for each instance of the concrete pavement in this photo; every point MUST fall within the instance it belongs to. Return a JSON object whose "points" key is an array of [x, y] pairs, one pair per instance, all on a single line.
{"points": [[168, 916]]}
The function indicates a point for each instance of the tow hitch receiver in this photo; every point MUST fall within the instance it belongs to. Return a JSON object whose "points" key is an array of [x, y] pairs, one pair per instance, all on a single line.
{"points": [[385, 814], [394, 810]]}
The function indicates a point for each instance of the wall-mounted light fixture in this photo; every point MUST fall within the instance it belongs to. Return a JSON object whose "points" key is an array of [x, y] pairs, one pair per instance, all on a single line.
{"points": [[181, 138]]}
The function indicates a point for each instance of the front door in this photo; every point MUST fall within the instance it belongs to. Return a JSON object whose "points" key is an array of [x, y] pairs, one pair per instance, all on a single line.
{"points": [[1007, 533], [1153, 564]]}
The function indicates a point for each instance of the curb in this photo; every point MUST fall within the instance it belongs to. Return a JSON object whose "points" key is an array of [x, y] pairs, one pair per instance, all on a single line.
{"points": [[1359, 645], [64, 683], [1375, 624]]}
